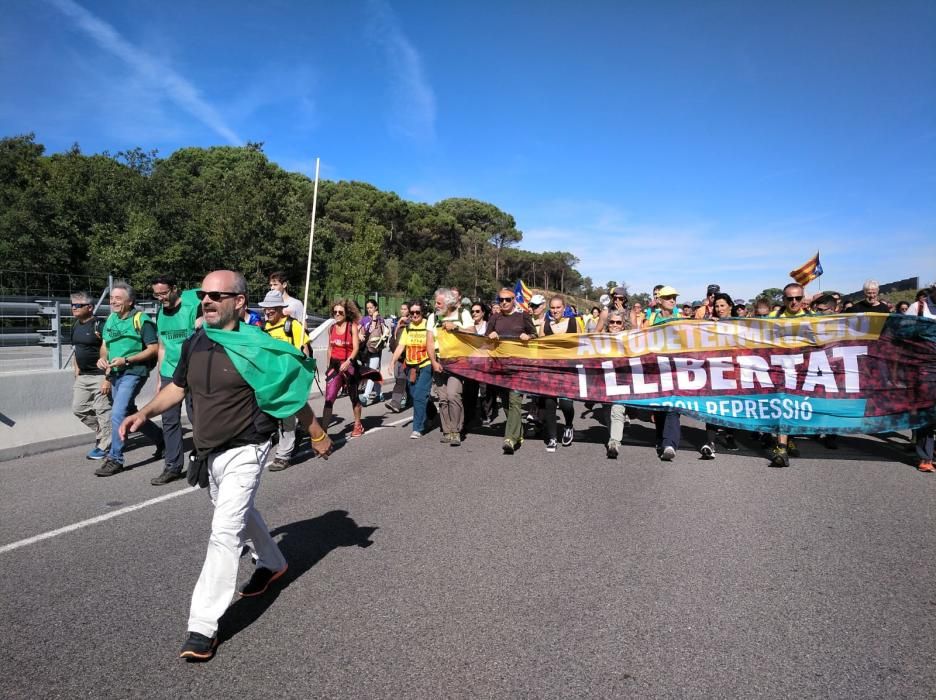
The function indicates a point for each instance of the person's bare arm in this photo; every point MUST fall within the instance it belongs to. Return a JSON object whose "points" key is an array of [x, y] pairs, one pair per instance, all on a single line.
{"points": [[318, 438]]}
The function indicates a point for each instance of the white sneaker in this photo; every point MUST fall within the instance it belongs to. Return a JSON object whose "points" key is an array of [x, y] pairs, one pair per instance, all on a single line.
{"points": [[668, 454], [415, 435], [551, 445]]}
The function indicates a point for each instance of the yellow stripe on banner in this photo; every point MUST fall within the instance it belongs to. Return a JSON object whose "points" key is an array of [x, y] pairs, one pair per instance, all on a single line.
{"points": [[674, 338]]}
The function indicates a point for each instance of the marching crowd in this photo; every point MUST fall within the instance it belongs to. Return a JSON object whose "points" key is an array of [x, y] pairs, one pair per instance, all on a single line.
{"points": [[245, 378]]}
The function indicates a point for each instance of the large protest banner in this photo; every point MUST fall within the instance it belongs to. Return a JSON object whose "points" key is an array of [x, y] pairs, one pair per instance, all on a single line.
{"points": [[849, 373]]}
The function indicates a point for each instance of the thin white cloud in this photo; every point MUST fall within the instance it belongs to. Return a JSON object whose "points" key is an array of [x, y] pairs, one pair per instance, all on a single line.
{"points": [[176, 87], [413, 112]]}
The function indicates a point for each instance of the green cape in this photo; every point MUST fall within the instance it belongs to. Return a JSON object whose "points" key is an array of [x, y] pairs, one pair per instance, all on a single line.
{"points": [[280, 375]]}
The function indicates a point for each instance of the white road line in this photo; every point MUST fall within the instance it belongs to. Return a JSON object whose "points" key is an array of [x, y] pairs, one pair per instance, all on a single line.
{"points": [[91, 521], [129, 509]]}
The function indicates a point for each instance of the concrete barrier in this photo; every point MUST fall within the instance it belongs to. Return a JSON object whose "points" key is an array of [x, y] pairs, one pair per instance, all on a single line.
{"points": [[35, 413]]}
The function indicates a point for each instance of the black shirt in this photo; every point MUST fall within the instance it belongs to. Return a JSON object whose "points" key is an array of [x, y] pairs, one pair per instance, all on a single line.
{"points": [[225, 407], [861, 307], [86, 341]]}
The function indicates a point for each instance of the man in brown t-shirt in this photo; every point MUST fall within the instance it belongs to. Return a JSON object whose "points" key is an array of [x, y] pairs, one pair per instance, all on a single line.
{"points": [[514, 324]]}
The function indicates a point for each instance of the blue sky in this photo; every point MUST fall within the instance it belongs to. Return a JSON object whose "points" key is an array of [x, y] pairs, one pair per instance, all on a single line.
{"points": [[661, 142]]}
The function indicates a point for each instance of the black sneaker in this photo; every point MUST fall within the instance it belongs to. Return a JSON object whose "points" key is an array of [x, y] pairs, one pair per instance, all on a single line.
{"points": [[568, 435], [708, 450], [780, 459], [109, 468], [166, 477], [260, 581], [198, 647]]}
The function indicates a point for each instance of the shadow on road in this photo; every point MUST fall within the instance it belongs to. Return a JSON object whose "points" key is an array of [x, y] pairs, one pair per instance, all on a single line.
{"points": [[304, 544]]}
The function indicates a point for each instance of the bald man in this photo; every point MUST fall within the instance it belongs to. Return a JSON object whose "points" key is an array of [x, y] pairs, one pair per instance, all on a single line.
{"points": [[241, 381]]}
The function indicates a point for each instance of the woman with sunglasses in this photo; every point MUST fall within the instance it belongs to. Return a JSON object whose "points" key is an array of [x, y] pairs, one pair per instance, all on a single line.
{"points": [[557, 323], [417, 349], [344, 343], [471, 387]]}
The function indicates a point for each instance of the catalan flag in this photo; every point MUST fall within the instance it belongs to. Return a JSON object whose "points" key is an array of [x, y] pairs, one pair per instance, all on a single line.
{"points": [[808, 271], [523, 295]]}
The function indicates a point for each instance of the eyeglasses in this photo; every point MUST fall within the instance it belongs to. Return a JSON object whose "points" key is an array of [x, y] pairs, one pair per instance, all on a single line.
{"points": [[505, 300], [215, 296], [799, 298], [78, 306], [415, 312], [615, 323], [160, 295]]}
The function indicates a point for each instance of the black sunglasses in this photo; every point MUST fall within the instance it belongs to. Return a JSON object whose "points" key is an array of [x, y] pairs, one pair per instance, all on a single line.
{"points": [[504, 300], [799, 298], [215, 296], [477, 311], [78, 306]]}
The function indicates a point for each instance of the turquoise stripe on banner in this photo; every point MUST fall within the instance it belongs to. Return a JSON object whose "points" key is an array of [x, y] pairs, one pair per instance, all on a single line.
{"points": [[769, 412]]}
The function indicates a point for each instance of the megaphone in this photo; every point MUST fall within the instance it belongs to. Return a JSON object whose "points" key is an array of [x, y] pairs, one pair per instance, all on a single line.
{"points": [[605, 300]]}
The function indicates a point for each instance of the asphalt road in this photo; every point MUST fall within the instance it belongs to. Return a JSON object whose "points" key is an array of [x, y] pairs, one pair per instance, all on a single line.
{"points": [[418, 570]]}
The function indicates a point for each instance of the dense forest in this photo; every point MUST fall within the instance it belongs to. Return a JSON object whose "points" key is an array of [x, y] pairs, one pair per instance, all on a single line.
{"points": [[136, 215]]}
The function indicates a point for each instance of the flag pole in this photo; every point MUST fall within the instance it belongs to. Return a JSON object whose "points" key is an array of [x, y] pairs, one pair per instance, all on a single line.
{"points": [[305, 298]]}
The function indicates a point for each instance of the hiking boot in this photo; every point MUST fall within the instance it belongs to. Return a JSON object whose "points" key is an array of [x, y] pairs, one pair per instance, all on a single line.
{"points": [[166, 477], [96, 453], [357, 431], [780, 458], [612, 449], [568, 435], [509, 447], [454, 440], [109, 468], [279, 464], [708, 450], [730, 444], [551, 445], [260, 581], [198, 647], [445, 438], [792, 449], [926, 466], [668, 453]]}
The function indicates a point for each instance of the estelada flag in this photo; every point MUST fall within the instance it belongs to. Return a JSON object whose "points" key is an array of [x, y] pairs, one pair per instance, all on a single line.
{"points": [[523, 295], [808, 271]]}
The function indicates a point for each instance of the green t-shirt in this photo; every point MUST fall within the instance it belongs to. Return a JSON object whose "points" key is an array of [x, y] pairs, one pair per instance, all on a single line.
{"points": [[123, 340], [174, 328]]}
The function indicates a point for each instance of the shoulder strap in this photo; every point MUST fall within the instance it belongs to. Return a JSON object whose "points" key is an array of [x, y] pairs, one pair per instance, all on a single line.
{"points": [[138, 321], [287, 327]]}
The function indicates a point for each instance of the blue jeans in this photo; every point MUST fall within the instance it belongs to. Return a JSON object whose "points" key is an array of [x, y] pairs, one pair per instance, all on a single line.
{"points": [[124, 390], [419, 392]]}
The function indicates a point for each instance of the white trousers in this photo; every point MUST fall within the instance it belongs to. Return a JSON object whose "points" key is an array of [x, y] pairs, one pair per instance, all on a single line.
{"points": [[234, 476]]}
